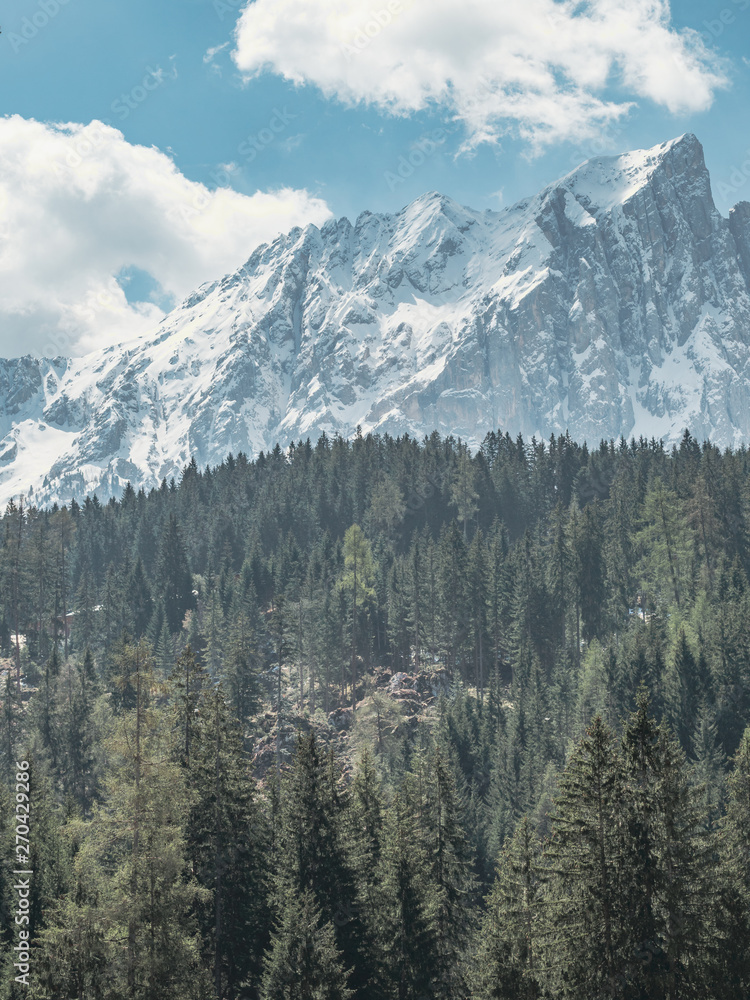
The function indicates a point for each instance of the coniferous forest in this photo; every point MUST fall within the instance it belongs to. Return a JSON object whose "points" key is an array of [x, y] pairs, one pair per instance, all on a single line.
{"points": [[385, 720]]}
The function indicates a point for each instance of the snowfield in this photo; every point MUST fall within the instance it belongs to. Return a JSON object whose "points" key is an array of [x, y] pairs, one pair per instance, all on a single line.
{"points": [[615, 302]]}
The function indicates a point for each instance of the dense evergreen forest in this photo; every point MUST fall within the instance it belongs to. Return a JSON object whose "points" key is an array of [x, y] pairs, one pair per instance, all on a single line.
{"points": [[386, 720]]}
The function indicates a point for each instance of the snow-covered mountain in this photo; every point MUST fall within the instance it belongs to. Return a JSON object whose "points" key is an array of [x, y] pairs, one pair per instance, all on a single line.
{"points": [[615, 302]]}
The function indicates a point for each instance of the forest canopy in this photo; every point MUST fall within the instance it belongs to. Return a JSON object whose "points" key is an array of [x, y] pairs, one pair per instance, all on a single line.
{"points": [[382, 718]]}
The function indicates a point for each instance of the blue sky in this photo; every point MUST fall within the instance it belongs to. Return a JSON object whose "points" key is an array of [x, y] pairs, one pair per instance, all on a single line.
{"points": [[284, 119]]}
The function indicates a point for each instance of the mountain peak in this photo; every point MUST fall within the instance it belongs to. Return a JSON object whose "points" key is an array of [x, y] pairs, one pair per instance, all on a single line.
{"points": [[614, 302], [606, 181]]}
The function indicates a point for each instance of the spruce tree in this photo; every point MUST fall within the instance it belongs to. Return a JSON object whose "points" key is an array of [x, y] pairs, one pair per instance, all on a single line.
{"points": [[582, 865], [150, 899], [405, 923], [227, 842], [669, 880], [78, 733], [311, 855], [508, 952], [304, 962], [453, 894], [173, 575], [736, 839], [730, 957], [74, 953]]}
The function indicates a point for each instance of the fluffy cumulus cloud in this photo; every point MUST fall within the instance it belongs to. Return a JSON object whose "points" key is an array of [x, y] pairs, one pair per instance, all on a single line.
{"points": [[80, 207], [547, 70]]}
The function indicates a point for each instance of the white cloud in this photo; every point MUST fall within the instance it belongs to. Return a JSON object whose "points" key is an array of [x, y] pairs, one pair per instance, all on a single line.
{"points": [[539, 67], [211, 54], [78, 204]]}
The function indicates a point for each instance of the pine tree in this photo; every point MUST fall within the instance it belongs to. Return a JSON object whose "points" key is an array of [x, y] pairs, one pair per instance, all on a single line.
{"points": [[701, 515], [453, 587], [190, 680], [668, 879], [662, 542], [174, 577], [78, 733], [476, 595], [46, 708], [64, 530], [304, 962], [11, 724], [310, 852], [404, 921], [684, 692], [451, 879], [241, 667], [510, 939], [558, 574], [736, 840], [573, 532], [590, 564], [85, 605], [730, 956], [214, 631], [415, 602], [164, 651], [74, 954], [619, 588], [499, 604], [582, 868], [48, 859], [226, 839], [14, 578], [464, 493], [709, 769], [140, 843], [357, 582], [398, 626], [366, 827]]}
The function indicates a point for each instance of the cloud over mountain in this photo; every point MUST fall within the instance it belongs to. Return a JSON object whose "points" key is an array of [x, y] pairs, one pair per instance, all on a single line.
{"points": [[79, 206], [544, 69]]}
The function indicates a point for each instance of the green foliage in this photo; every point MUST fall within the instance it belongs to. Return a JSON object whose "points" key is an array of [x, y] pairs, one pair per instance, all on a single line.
{"points": [[226, 840], [304, 963], [404, 922], [459, 672], [510, 939]]}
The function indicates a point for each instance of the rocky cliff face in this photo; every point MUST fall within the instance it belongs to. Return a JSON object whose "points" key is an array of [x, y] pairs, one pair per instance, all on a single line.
{"points": [[615, 302]]}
